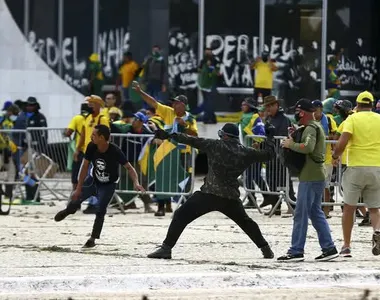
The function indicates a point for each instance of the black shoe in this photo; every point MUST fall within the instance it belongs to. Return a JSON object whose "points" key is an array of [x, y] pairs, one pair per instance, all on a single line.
{"points": [[89, 244], [291, 257], [267, 252], [376, 243], [328, 255], [160, 213], [163, 252], [61, 215], [168, 206], [268, 200], [90, 210], [365, 222]]}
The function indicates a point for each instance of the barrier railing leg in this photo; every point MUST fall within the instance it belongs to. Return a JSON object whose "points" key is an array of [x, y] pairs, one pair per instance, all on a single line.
{"points": [[120, 202], [254, 201], [274, 208]]}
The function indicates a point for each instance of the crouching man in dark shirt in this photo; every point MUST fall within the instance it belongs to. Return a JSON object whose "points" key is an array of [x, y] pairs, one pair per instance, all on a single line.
{"points": [[227, 160], [105, 158]]}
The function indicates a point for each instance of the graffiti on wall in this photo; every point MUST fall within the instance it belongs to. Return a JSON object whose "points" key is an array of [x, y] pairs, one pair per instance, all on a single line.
{"points": [[236, 53], [111, 46], [52, 53], [358, 71], [182, 61]]}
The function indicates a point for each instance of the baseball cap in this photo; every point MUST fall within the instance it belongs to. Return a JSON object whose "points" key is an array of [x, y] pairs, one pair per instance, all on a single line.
{"points": [[305, 105], [140, 116], [317, 103], [365, 97], [7, 104], [115, 110], [346, 105], [180, 98]]}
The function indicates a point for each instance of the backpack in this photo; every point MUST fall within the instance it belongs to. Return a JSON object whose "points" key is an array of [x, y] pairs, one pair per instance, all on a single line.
{"points": [[295, 161]]}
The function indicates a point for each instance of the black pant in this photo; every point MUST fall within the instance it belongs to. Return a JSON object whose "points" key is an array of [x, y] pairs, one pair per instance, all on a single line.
{"points": [[75, 168], [201, 203], [104, 193]]}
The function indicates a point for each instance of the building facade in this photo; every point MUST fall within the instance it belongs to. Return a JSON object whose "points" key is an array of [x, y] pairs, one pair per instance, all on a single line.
{"points": [[301, 35]]}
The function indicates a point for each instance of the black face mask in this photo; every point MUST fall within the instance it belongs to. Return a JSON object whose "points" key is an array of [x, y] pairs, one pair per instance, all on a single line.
{"points": [[89, 110], [297, 117], [343, 114], [265, 58]]}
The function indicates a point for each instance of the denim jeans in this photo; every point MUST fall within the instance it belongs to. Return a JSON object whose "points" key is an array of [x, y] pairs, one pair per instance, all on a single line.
{"points": [[309, 199], [104, 192]]}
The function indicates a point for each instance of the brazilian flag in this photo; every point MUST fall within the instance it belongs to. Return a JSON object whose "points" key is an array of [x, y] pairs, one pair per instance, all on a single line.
{"points": [[170, 173]]}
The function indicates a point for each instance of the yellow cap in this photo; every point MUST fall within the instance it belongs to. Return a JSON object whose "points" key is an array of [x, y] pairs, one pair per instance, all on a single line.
{"points": [[365, 97], [94, 57], [114, 110], [95, 99]]}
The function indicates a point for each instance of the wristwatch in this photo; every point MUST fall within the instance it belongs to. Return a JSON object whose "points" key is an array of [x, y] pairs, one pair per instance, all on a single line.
{"points": [[334, 157]]}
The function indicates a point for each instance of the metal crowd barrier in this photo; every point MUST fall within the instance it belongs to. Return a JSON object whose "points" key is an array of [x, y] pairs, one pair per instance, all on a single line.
{"points": [[273, 179], [13, 174], [165, 169]]}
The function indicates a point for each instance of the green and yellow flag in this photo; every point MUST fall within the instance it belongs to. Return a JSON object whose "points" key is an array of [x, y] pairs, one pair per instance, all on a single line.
{"points": [[171, 177]]}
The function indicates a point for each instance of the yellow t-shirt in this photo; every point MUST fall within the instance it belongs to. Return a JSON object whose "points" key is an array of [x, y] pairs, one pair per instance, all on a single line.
{"points": [[128, 72], [76, 125], [90, 123], [168, 116], [263, 75], [329, 146], [363, 148]]}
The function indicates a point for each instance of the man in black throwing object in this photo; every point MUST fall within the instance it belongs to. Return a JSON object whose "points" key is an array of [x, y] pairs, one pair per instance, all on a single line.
{"points": [[227, 160], [105, 158]]}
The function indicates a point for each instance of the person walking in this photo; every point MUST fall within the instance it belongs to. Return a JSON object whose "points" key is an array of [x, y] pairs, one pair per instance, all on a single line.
{"points": [[362, 175], [311, 187], [105, 158], [227, 160]]}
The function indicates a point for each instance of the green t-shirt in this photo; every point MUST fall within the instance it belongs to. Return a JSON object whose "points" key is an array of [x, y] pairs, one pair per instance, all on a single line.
{"points": [[315, 150]]}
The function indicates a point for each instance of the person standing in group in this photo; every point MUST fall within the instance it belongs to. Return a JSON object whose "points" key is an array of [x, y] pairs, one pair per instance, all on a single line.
{"points": [[227, 160], [362, 175], [208, 72], [251, 124], [75, 126], [105, 158], [264, 68], [311, 187], [127, 73], [95, 117], [275, 171], [176, 119], [95, 75], [155, 73], [111, 104]]}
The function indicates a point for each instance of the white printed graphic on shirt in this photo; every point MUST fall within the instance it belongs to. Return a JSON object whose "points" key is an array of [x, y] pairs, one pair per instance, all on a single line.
{"points": [[100, 173]]}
